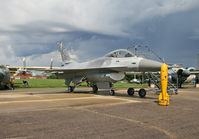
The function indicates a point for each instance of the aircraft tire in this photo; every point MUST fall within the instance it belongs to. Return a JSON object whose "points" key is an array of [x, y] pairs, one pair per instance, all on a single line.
{"points": [[112, 92], [6, 87], [142, 93], [130, 91], [70, 89], [95, 89]]}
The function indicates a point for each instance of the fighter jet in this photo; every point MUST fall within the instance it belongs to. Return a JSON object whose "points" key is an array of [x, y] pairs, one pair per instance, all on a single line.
{"points": [[6, 70], [4, 76], [102, 72], [179, 75]]}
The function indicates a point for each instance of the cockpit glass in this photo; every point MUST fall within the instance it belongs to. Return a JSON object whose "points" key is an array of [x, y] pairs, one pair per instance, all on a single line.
{"points": [[120, 54]]}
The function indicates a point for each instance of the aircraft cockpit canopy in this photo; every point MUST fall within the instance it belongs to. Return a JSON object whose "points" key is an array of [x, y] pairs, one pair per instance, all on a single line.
{"points": [[121, 53]]}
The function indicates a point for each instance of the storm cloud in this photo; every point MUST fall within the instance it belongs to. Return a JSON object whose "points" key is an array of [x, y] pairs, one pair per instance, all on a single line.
{"points": [[92, 28]]}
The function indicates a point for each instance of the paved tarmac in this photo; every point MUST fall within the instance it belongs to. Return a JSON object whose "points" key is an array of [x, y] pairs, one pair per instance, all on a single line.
{"points": [[54, 113]]}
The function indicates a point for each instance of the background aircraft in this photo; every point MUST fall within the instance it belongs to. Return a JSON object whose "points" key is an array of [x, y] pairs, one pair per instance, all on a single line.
{"points": [[179, 75], [4, 77], [6, 70], [135, 80], [104, 71]]}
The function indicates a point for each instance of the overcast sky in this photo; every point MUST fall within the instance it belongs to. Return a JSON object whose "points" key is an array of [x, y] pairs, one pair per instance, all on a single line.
{"points": [[92, 28]]}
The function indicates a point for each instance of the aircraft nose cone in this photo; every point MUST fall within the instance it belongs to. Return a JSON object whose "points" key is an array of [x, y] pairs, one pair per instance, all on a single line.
{"points": [[186, 73], [149, 65], [183, 72]]}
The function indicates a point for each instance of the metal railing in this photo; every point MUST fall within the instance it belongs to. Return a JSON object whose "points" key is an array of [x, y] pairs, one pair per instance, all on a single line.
{"points": [[144, 51]]}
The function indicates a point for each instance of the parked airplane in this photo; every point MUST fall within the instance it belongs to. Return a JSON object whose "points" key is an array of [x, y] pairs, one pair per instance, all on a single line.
{"points": [[6, 70], [179, 75], [176, 75], [102, 72], [4, 76]]}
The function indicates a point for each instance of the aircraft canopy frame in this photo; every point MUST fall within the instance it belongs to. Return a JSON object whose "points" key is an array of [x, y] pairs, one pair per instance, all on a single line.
{"points": [[120, 53]]}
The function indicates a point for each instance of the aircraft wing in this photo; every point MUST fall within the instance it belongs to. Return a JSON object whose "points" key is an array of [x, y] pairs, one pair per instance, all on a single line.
{"points": [[15, 68], [62, 70], [194, 72], [40, 68]]}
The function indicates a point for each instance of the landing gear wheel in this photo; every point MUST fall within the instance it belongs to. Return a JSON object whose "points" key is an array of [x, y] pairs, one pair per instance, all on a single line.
{"points": [[70, 89], [130, 91], [142, 93], [7, 87], [112, 92], [95, 89]]}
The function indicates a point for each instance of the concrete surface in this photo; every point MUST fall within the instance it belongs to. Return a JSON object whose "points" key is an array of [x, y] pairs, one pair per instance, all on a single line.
{"points": [[53, 113]]}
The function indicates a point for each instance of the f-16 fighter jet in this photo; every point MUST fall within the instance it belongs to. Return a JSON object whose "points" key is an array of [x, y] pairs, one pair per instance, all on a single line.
{"points": [[102, 72]]}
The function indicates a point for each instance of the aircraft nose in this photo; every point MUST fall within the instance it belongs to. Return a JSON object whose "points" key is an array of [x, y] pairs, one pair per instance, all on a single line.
{"points": [[149, 65], [183, 72], [186, 73]]}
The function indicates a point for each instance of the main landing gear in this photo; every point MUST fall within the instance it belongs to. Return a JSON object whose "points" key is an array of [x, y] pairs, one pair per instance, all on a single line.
{"points": [[71, 88], [141, 92], [95, 90], [130, 91]]}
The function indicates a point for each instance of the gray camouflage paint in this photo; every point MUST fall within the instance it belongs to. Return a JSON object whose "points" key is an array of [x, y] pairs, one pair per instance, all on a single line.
{"points": [[104, 69]]}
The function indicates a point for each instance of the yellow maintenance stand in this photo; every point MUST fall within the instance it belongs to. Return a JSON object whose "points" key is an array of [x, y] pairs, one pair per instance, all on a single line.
{"points": [[164, 97]]}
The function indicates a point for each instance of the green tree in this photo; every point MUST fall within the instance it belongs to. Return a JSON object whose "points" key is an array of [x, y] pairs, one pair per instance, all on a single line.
{"points": [[128, 77], [52, 76]]}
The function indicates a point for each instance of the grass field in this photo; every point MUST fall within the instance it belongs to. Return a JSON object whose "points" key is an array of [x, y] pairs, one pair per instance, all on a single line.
{"points": [[60, 83]]}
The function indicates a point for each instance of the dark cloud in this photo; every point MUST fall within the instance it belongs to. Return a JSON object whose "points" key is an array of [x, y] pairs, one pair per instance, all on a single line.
{"points": [[91, 29], [171, 36]]}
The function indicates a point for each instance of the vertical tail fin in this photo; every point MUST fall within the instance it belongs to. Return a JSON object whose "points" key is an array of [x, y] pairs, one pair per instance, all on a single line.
{"points": [[64, 54], [51, 63], [24, 63]]}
